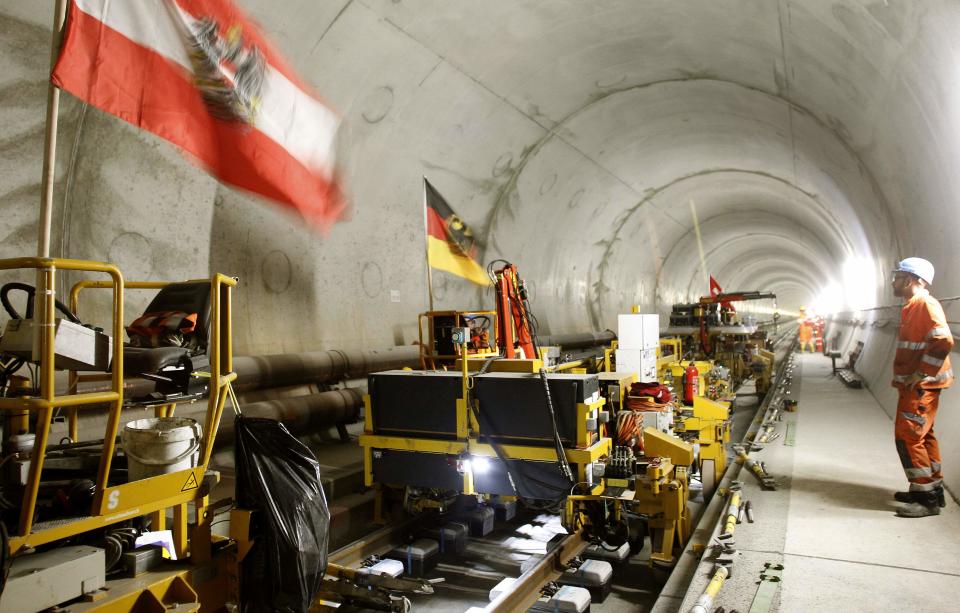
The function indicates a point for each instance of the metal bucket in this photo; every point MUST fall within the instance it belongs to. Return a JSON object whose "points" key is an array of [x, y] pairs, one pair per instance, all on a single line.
{"points": [[160, 445]]}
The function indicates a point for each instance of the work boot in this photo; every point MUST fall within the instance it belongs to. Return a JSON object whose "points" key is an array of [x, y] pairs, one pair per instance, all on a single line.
{"points": [[924, 504], [909, 496]]}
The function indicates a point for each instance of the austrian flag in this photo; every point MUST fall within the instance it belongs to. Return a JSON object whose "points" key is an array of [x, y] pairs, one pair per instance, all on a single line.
{"points": [[201, 75]]}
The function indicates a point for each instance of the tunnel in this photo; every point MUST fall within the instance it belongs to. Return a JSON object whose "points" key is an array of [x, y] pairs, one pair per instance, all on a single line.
{"points": [[619, 153]]}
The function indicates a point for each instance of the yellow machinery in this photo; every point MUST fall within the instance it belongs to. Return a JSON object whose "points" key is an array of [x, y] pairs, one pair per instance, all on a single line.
{"points": [[202, 577], [58, 547], [444, 446], [506, 427], [484, 431], [707, 423], [658, 490], [615, 387], [438, 349], [762, 366]]}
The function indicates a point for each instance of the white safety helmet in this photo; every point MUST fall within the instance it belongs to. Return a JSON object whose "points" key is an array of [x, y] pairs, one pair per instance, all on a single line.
{"points": [[918, 267]]}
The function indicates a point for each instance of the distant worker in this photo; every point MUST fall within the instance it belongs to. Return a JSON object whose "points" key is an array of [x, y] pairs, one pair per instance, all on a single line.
{"points": [[921, 369], [805, 333]]}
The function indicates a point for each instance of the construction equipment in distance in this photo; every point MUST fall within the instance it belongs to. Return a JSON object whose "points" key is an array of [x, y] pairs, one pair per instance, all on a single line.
{"points": [[506, 427], [715, 331]]}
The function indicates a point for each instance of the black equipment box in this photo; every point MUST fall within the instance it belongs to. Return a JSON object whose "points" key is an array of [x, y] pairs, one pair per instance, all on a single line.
{"points": [[419, 557], [452, 537], [480, 521], [415, 402], [533, 479], [514, 405], [416, 469]]}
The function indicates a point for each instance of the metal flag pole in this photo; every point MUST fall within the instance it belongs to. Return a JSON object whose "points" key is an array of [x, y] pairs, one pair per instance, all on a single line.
{"points": [[50, 137], [426, 238], [44, 293], [703, 260]]}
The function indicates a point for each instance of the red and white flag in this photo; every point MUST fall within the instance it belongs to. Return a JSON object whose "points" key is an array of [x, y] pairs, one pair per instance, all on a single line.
{"points": [[716, 290], [200, 74]]}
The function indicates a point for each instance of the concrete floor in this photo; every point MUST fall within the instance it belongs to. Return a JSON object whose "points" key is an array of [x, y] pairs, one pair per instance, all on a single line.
{"points": [[832, 523]]}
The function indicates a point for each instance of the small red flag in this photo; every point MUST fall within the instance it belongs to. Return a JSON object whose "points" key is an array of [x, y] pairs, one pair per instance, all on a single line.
{"points": [[716, 290], [714, 287], [199, 74]]}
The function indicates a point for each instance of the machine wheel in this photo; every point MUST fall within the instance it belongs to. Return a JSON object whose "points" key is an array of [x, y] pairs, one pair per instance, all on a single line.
{"points": [[637, 536], [708, 476]]}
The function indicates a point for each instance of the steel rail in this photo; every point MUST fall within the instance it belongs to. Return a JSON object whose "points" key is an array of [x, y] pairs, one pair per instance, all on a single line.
{"points": [[380, 540], [525, 591]]}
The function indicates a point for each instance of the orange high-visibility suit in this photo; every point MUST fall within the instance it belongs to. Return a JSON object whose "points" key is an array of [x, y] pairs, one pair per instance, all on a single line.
{"points": [[923, 347], [805, 335]]}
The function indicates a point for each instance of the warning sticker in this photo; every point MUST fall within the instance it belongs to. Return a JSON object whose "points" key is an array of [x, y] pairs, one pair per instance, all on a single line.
{"points": [[191, 483]]}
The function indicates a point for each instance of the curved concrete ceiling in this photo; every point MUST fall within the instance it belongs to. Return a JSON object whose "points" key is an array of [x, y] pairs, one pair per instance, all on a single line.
{"points": [[806, 142]]}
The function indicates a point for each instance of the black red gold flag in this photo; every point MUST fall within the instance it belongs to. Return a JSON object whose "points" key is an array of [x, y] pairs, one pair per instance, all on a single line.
{"points": [[451, 246]]}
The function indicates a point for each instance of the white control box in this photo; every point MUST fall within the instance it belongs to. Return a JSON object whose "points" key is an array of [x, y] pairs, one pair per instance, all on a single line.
{"points": [[643, 362], [638, 330]]}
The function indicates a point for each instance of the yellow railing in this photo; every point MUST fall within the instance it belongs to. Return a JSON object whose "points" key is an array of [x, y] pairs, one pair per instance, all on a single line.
{"points": [[154, 495]]}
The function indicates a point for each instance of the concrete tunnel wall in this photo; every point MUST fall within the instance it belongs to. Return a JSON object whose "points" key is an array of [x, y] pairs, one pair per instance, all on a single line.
{"points": [[814, 142]]}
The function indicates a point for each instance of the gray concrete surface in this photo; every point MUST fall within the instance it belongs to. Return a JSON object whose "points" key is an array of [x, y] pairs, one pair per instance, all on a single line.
{"points": [[832, 523], [816, 140]]}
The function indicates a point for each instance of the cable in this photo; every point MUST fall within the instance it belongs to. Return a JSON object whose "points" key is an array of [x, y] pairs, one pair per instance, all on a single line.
{"points": [[514, 473], [628, 430], [561, 455]]}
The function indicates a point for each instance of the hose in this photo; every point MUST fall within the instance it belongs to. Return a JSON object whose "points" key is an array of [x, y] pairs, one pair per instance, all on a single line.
{"points": [[513, 474], [628, 430], [561, 455]]}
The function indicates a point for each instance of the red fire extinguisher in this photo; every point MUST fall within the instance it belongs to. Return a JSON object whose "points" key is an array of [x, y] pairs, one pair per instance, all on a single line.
{"points": [[691, 383]]}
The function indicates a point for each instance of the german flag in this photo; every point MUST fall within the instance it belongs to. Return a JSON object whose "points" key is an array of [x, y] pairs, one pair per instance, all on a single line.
{"points": [[450, 243]]}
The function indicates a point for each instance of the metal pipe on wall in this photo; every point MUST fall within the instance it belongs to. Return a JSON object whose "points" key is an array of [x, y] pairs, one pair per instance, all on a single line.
{"points": [[579, 340], [276, 370], [287, 369], [301, 414]]}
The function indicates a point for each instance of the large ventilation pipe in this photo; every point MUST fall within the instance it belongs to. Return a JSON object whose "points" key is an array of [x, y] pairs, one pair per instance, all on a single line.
{"points": [[579, 340], [301, 414], [278, 370]]}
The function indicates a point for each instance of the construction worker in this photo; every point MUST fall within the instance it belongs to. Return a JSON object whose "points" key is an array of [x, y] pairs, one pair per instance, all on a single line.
{"points": [[805, 333], [921, 370]]}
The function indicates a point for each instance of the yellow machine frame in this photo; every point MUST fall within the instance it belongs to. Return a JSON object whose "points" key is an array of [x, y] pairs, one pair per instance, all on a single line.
{"points": [[467, 442], [661, 494], [154, 495], [766, 376], [428, 358], [710, 420]]}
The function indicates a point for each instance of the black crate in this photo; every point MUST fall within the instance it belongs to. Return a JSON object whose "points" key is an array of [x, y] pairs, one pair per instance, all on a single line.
{"points": [[412, 402], [514, 406], [416, 469]]}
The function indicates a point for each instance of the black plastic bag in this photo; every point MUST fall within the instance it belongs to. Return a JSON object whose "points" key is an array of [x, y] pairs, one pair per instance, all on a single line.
{"points": [[279, 477]]}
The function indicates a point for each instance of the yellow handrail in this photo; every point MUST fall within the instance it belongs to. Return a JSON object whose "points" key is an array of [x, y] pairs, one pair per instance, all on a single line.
{"points": [[112, 503]]}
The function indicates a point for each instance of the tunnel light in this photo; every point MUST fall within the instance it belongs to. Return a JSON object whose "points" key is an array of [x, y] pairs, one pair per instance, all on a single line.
{"points": [[860, 283], [479, 464], [830, 300]]}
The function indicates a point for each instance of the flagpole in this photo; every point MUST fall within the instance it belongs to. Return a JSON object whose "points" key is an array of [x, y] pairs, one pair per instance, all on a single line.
{"points": [[50, 138], [44, 293], [426, 238]]}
